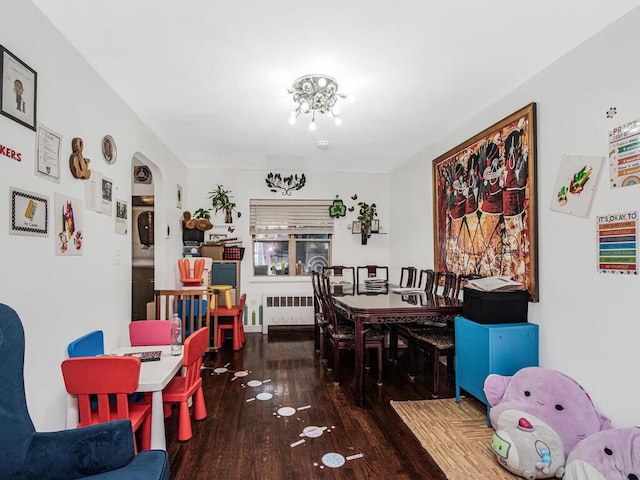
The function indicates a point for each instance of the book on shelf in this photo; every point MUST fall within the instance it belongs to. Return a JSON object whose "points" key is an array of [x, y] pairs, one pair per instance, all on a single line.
{"points": [[497, 283]]}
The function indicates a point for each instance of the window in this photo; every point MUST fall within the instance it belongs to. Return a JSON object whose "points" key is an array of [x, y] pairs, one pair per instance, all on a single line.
{"points": [[290, 237]]}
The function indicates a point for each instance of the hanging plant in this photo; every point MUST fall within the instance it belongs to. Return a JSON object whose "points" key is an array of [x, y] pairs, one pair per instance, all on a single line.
{"points": [[222, 201]]}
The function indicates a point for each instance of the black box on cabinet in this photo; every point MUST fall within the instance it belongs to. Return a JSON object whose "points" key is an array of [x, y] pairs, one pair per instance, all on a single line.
{"points": [[495, 307]]}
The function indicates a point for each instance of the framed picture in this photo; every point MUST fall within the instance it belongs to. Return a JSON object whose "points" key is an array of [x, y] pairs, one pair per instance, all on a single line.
{"points": [[19, 88], [485, 205], [178, 196], [109, 150], [29, 213], [48, 153], [356, 227], [68, 225]]}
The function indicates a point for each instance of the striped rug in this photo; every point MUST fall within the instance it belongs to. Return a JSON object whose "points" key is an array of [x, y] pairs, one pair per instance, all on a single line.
{"points": [[455, 435]]}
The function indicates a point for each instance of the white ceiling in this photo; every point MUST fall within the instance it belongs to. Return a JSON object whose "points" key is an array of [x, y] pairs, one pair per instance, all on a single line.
{"points": [[207, 76]]}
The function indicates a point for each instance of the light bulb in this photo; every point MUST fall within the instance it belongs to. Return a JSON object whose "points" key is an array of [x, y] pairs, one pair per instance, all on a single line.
{"points": [[292, 120], [312, 126], [351, 98], [322, 82], [338, 121]]}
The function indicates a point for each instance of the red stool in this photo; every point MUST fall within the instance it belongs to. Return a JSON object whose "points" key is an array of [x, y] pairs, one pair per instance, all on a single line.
{"points": [[231, 319]]}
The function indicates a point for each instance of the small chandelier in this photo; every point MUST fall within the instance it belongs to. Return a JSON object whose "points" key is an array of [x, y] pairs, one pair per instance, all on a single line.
{"points": [[316, 94]]}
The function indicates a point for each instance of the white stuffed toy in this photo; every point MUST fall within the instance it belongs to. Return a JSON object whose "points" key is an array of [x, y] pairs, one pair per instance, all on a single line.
{"points": [[529, 451]]}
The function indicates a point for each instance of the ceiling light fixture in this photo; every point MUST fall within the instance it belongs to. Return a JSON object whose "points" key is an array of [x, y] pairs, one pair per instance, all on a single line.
{"points": [[316, 94]]}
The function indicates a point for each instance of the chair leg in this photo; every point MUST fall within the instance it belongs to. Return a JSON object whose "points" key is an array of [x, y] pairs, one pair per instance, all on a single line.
{"points": [[199, 407], [412, 359], [336, 365], [237, 342], [379, 365], [436, 371], [184, 422]]}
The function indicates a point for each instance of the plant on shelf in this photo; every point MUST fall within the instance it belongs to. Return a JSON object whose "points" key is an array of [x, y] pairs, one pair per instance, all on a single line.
{"points": [[365, 217], [222, 201]]}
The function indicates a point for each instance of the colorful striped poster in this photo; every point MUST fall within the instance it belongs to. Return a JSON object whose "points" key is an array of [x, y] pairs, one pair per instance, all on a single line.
{"points": [[617, 243], [624, 155]]}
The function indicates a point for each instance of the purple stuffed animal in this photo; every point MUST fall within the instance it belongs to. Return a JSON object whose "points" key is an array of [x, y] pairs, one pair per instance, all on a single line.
{"points": [[547, 399], [607, 455]]}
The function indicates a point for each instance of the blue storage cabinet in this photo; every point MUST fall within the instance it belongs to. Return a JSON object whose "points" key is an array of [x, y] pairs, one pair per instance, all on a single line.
{"points": [[482, 349]]}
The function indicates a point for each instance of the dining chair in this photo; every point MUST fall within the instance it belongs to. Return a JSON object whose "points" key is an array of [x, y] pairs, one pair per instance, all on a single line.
{"points": [[427, 280], [342, 336], [88, 345], [232, 319], [320, 319], [445, 283], [106, 376], [182, 388], [408, 277], [365, 272], [106, 450], [191, 305], [340, 274], [143, 333], [461, 281]]}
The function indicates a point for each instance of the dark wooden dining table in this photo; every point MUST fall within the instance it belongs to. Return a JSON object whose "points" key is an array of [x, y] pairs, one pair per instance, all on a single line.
{"points": [[387, 307]]}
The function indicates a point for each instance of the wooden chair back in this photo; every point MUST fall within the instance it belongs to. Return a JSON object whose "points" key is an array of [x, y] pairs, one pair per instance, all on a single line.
{"points": [[191, 305], [427, 280], [408, 277]]}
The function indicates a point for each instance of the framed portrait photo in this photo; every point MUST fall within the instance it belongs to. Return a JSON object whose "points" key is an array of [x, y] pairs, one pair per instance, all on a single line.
{"points": [[109, 150], [19, 89]]}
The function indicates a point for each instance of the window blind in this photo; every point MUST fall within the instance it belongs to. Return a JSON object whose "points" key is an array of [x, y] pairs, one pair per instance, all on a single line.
{"points": [[290, 216]]}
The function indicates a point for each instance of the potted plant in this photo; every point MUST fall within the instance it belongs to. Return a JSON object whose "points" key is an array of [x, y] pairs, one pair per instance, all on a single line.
{"points": [[365, 217], [222, 201]]}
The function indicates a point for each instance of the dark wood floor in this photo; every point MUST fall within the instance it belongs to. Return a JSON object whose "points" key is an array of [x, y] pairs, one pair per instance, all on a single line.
{"points": [[247, 440]]}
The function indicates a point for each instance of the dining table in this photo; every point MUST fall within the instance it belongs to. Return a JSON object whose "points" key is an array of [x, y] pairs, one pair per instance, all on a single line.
{"points": [[154, 376], [390, 305]]}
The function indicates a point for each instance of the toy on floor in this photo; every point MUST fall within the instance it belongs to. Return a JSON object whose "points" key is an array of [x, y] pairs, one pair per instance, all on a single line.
{"points": [[556, 413], [607, 455], [528, 451]]}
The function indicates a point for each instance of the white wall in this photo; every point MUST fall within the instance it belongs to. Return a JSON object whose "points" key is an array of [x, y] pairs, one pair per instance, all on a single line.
{"points": [[588, 324], [60, 298], [347, 248]]}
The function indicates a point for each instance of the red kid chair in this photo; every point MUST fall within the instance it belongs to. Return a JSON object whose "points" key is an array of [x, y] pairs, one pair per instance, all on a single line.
{"points": [[231, 319], [143, 333], [104, 376], [181, 388]]}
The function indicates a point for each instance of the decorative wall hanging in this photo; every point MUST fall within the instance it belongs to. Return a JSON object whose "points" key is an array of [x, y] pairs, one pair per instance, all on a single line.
{"points": [[29, 213], [48, 153], [276, 182], [179, 196], [576, 184], [78, 164], [624, 152], [142, 174], [19, 89], [68, 225], [617, 243], [485, 205], [337, 208], [109, 150]]}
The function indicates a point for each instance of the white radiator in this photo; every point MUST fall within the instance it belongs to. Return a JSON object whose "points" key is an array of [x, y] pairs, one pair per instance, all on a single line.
{"points": [[286, 309]]}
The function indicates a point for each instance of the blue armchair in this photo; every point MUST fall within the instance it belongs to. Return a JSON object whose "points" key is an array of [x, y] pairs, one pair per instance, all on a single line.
{"points": [[104, 451]]}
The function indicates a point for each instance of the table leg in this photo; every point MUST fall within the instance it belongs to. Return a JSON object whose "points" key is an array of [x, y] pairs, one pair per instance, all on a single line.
{"points": [[359, 353], [158, 439]]}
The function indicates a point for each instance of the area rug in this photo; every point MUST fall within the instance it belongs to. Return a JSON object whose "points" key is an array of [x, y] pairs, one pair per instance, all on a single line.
{"points": [[455, 435]]}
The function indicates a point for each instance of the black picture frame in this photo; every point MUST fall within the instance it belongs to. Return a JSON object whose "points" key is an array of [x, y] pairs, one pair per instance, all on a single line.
{"points": [[18, 92]]}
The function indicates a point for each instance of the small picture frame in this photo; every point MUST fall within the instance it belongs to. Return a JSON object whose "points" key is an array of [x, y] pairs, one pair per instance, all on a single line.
{"points": [[356, 227], [18, 94], [29, 213], [179, 196], [375, 226], [109, 150], [48, 153]]}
